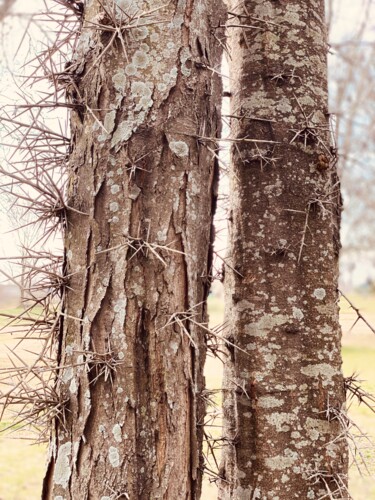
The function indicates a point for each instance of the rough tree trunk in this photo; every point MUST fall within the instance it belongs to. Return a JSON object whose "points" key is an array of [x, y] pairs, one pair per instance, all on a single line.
{"points": [[282, 398], [138, 250]]}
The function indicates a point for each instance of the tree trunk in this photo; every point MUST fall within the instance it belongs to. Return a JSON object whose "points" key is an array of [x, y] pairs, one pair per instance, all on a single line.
{"points": [[138, 251], [5, 7], [284, 396]]}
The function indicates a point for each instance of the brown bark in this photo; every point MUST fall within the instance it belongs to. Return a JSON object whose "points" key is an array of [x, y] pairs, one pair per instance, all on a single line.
{"points": [[284, 397], [5, 8], [138, 250]]}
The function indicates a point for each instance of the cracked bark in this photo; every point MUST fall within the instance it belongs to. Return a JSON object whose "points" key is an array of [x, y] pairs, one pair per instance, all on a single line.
{"points": [[139, 174], [283, 397]]}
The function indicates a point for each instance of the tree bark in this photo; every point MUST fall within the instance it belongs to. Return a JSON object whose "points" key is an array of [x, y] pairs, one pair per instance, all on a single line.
{"points": [[138, 250], [284, 396], [5, 7]]}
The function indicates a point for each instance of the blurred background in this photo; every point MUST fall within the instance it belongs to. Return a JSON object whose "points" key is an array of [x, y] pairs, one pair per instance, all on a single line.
{"points": [[352, 105]]}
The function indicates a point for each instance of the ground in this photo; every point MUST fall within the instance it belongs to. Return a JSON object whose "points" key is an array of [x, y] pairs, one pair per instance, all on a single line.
{"points": [[22, 465]]}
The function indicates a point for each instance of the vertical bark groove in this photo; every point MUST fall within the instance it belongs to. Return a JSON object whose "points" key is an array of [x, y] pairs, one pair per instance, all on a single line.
{"points": [[136, 253]]}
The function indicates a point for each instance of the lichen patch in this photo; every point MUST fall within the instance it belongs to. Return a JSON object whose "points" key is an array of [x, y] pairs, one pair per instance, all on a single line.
{"points": [[297, 313], [114, 457], [322, 369], [269, 402], [280, 462], [267, 322], [116, 431], [179, 148], [319, 293], [63, 470], [281, 421], [109, 121]]}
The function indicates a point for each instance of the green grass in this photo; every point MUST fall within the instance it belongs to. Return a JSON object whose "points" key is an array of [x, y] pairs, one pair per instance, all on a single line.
{"points": [[3, 425], [4, 320], [12, 312], [21, 469], [361, 360]]}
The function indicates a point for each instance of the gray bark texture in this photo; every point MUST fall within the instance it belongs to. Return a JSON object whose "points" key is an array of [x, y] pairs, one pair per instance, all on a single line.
{"points": [[284, 396], [138, 247]]}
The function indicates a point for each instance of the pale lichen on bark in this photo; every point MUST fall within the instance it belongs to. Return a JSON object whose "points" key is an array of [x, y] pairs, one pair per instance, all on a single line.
{"points": [[280, 397]]}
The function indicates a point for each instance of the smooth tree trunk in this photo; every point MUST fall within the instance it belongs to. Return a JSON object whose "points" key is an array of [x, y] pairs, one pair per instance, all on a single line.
{"points": [[138, 247], [283, 386]]}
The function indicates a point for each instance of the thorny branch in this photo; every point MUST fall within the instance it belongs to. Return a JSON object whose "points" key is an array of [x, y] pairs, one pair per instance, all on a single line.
{"points": [[184, 318], [358, 312], [33, 178]]}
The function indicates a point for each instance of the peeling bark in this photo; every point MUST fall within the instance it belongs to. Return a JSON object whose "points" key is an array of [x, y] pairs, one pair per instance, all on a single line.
{"points": [[284, 396], [138, 246]]}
